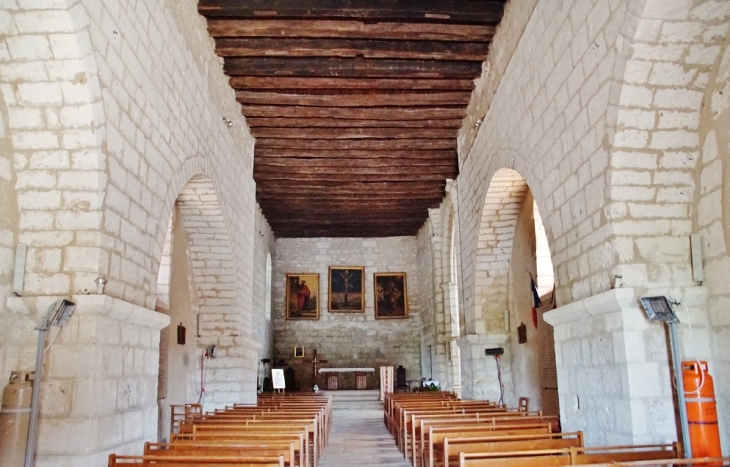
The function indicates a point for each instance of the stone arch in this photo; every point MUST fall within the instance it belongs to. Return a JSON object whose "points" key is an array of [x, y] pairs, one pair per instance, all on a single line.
{"points": [[507, 191], [9, 216], [500, 289], [214, 271], [60, 175], [210, 266], [670, 49]]}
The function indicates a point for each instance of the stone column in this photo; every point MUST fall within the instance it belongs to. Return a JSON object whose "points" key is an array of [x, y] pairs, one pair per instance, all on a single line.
{"points": [[613, 368], [99, 386], [479, 372]]}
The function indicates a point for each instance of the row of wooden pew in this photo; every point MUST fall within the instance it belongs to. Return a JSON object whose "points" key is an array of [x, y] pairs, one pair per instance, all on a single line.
{"points": [[281, 430], [435, 429]]}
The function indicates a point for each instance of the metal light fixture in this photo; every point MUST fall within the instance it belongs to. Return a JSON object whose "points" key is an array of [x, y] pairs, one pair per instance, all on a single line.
{"points": [[57, 315], [228, 122], [660, 309]]}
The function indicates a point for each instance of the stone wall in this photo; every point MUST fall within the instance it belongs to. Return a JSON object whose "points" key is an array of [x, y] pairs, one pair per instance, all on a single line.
{"points": [[602, 107], [110, 110], [348, 339], [713, 222]]}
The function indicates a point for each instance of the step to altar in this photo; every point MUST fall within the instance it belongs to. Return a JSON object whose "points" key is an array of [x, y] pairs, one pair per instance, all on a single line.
{"points": [[355, 399]]}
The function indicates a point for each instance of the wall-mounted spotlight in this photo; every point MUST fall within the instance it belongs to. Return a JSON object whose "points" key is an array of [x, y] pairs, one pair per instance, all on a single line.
{"points": [[229, 123], [478, 122], [100, 283]]}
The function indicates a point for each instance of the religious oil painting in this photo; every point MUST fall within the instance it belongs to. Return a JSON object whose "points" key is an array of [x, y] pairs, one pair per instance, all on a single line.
{"points": [[302, 296], [391, 299], [347, 284]]}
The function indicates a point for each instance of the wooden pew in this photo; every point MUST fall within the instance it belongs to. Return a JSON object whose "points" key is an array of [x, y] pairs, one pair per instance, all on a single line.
{"points": [[609, 454], [494, 418], [229, 430], [392, 400], [537, 458], [223, 448], [469, 415], [694, 462], [285, 415], [297, 439], [452, 447], [195, 461], [570, 456], [434, 431], [403, 425]]}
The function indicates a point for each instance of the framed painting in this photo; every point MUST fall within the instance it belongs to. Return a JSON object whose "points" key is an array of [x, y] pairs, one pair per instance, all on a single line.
{"points": [[391, 295], [346, 286], [302, 296]]}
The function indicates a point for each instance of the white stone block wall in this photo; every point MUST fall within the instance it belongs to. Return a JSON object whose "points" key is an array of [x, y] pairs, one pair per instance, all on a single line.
{"points": [[112, 108], [99, 386], [713, 223], [440, 325], [614, 374], [602, 107], [429, 335], [8, 239], [262, 326], [348, 339]]}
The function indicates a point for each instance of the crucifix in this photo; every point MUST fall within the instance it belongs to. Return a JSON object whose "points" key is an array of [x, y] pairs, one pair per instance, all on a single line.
{"points": [[314, 361]]}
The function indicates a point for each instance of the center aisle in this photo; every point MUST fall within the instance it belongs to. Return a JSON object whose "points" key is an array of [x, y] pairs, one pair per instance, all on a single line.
{"points": [[359, 438]]}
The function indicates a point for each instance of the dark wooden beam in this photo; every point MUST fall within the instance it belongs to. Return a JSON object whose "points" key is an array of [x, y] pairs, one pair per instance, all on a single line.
{"points": [[344, 163], [354, 100], [351, 67], [423, 154], [259, 27], [283, 190], [333, 123], [354, 187], [370, 144], [341, 170], [354, 133], [423, 10], [344, 177], [422, 113], [283, 82], [366, 231], [321, 221], [411, 50], [375, 211], [318, 198]]}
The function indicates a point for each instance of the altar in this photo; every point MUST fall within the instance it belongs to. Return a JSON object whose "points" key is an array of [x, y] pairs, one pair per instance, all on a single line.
{"points": [[333, 374]]}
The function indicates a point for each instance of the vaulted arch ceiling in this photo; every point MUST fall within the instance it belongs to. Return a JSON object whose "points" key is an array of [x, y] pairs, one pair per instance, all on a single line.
{"points": [[355, 104]]}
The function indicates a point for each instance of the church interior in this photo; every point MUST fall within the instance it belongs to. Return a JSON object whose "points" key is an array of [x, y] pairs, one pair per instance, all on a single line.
{"points": [[476, 193]]}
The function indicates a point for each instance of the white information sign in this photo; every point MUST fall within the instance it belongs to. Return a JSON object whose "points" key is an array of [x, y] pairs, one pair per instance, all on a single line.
{"points": [[277, 377]]}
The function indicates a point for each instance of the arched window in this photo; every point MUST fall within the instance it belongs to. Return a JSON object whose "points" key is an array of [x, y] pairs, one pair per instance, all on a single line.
{"points": [[267, 288]]}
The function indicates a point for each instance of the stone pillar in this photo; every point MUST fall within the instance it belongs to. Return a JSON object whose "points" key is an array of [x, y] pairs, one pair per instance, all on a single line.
{"points": [[479, 372], [613, 367], [451, 307], [99, 386]]}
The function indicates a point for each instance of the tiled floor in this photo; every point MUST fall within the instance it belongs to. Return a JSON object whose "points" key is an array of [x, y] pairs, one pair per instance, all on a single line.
{"points": [[359, 438]]}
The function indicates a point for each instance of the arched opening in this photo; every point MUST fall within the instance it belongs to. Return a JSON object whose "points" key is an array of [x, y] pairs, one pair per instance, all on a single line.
{"points": [[457, 310], [513, 251], [196, 287], [267, 287]]}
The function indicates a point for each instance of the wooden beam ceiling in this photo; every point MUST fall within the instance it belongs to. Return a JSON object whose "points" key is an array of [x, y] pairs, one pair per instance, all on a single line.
{"points": [[355, 104]]}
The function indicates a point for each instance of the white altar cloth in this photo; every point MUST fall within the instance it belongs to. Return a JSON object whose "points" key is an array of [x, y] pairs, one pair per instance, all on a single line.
{"points": [[346, 370]]}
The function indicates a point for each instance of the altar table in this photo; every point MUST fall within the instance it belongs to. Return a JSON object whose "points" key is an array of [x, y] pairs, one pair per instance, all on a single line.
{"points": [[360, 376]]}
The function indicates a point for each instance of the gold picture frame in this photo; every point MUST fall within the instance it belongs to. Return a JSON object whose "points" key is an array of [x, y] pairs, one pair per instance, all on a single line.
{"points": [[391, 295], [298, 351], [346, 289], [302, 296]]}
